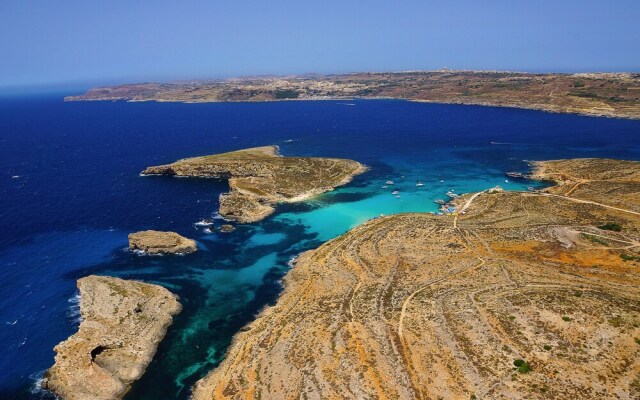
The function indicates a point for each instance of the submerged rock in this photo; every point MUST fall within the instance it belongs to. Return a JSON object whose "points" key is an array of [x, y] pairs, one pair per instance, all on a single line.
{"points": [[122, 324], [156, 242], [227, 228]]}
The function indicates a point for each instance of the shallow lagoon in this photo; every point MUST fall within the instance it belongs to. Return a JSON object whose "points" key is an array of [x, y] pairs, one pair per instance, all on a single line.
{"points": [[78, 194]]}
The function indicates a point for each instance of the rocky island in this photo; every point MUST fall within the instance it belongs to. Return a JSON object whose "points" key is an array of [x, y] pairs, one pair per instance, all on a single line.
{"points": [[527, 295], [599, 94], [259, 178], [122, 323], [156, 242]]}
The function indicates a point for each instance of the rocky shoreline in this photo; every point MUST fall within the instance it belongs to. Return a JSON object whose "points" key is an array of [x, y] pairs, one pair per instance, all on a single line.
{"points": [[122, 324], [260, 177], [513, 299], [157, 243]]}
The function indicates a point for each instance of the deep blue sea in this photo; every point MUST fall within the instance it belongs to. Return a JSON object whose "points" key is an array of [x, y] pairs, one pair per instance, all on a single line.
{"points": [[70, 192]]}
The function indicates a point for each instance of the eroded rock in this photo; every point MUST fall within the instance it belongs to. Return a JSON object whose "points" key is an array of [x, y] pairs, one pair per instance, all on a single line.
{"points": [[157, 242], [122, 324]]}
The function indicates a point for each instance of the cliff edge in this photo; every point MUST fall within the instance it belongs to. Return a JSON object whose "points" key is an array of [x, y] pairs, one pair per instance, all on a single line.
{"points": [[122, 324]]}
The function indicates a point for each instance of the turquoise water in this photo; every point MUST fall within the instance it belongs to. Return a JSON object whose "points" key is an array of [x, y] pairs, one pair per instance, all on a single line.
{"points": [[71, 192]]}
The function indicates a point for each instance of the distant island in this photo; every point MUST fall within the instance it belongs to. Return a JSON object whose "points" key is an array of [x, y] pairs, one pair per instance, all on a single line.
{"points": [[597, 94], [260, 177], [517, 295]]}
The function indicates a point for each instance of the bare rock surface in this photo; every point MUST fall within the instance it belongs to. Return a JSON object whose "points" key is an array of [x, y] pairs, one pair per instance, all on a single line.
{"points": [[527, 295], [157, 242], [259, 178], [122, 324]]}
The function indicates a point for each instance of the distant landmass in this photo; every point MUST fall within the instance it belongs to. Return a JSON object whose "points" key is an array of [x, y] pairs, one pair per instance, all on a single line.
{"points": [[597, 94]]}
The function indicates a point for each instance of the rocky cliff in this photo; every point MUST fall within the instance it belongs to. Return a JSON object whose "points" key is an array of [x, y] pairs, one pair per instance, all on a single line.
{"points": [[122, 323]]}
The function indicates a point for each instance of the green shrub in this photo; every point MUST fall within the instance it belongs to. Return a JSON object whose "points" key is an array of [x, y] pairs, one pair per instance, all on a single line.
{"points": [[565, 318], [611, 226], [546, 347], [286, 94], [595, 239], [629, 257], [522, 366]]}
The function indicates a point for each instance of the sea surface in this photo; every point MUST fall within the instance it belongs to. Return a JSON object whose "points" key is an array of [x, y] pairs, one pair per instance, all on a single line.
{"points": [[70, 192]]}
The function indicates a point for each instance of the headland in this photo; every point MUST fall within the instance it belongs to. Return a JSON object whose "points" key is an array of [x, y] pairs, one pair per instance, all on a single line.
{"points": [[259, 178]]}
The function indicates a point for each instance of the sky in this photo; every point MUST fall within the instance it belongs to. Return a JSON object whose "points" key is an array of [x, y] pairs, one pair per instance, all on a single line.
{"points": [[65, 42]]}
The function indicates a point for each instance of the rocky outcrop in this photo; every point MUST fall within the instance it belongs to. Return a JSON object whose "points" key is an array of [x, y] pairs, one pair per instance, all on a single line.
{"points": [[528, 295], [226, 228], [122, 323], [259, 178], [156, 242]]}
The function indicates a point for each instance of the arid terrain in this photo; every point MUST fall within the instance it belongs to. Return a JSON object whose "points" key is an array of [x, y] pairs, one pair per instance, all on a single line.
{"points": [[156, 242], [122, 324], [532, 295], [601, 94], [259, 178]]}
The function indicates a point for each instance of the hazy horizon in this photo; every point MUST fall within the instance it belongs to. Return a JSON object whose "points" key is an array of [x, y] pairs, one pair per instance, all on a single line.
{"points": [[71, 44]]}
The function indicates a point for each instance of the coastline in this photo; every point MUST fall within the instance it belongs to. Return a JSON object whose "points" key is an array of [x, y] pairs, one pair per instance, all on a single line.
{"points": [[533, 107], [286, 324]]}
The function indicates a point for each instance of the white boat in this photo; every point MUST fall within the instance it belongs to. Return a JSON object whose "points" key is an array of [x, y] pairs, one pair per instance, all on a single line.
{"points": [[395, 192], [385, 186], [389, 182], [204, 222], [419, 184]]}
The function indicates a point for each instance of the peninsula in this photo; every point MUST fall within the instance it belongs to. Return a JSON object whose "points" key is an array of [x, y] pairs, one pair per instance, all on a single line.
{"points": [[157, 242], [259, 178], [527, 295], [122, 323], [598, 94]]}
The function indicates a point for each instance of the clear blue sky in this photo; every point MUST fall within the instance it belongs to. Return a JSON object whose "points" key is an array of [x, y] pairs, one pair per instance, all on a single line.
{"points": [[47, 42]]}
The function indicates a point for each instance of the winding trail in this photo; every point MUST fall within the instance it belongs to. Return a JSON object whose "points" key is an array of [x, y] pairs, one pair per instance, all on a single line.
{"points": [[588, 202]]}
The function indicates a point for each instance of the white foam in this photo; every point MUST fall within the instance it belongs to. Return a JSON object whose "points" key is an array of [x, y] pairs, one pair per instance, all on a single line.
{"points": [[36, 389], [292, 262], [74, 309]]}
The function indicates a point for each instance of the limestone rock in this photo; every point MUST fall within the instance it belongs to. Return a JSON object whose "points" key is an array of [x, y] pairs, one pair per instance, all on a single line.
{"points": [[122, 324], [259, 178], [156, 242]]}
